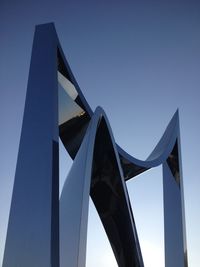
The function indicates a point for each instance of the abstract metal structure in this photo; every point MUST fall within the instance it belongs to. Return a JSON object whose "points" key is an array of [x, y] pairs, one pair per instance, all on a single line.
{"points": [[45, 231]]}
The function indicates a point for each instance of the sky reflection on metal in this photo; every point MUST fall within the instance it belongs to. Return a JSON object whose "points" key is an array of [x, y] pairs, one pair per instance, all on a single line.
{"points": [[151, 53]]}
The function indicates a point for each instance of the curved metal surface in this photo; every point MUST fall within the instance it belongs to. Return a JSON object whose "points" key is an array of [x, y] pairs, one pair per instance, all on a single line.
{"points": [[100, 169], [96, 170], [72, 132], [165, 152]]}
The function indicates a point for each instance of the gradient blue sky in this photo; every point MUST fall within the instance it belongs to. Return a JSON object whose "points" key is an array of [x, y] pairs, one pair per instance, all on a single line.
{"points": [[139, 60]]}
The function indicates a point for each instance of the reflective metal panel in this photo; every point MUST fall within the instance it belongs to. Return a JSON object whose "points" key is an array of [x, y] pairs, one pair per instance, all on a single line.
{"points": [[173, 226], [100, 169], [173, 163], [96, 170], [109, 194], [74, 203], [33, 229], [73, 117]]}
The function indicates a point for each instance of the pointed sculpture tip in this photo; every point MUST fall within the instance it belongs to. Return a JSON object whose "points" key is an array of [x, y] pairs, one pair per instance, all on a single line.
{"points": [[47, 24], [176, 114]]}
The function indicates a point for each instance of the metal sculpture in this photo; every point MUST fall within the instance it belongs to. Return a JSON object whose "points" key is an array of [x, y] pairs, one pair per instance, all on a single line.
{"points": [[46, 231]]}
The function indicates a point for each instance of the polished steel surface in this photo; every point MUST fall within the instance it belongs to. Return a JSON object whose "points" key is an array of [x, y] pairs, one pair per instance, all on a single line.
{"points": [[174, 246], [33, 229], [166, 152], [96, 170], [72, 132], [55, 106]]}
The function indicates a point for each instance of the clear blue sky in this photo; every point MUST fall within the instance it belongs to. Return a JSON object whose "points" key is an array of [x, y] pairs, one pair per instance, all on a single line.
{"points": [[139, 60]]}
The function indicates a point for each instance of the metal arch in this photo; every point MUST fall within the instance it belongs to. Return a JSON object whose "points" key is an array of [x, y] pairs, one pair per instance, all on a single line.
{"points": [[163, 154], [96, 170], [131, 166]]}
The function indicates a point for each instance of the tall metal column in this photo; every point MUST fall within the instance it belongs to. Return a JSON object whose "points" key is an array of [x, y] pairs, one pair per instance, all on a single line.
{"points": [[174, 217], [33, 229]]}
